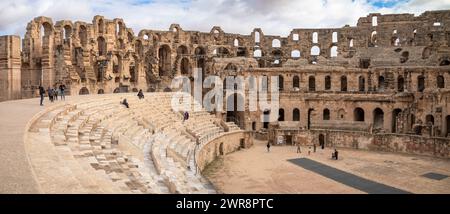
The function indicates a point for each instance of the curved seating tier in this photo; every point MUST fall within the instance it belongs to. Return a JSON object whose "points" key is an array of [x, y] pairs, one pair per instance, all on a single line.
{"points": [[102, 147]]}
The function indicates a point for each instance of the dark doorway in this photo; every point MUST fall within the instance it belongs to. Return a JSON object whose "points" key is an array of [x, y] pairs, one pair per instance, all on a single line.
{"points": [[221, 149], [322, 141], [289, 139], [447, 119], [309, 117], [395, 115]]}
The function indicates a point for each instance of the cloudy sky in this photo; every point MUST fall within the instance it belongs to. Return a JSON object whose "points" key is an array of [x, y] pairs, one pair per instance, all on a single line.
{"points": [[275, 17]]}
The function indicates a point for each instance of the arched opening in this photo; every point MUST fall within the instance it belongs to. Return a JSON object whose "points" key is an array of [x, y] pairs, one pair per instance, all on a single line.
{"points": [[45, 32], [334, 37], [167, 89], [341, 114], [101, 44], [138, 48], [420, 83], [395, 117], [257, 37], [280, 114], [327, 82], [322, 141], [378, 118], [83, 91], [381, 83], [350, 43], [296, 114], [315, 51], [312, 83], [276, 43], [100, 91], [164, 61], [374, 21], [222, 52], [182, 50], [295, 37], [358, 114], [400, 84], [361, 84], [67, 32], [121, 44], [235, 106], [184, 66], [333, 51], [315, 37], [236, 42], [440, 82], [116, 90], [429, 119], [257, 53], [101, 26], [295, 54], [82, 35], [326, 114], [133, 73], [266, 117], [254, 126], [373, 38], [295, 82], [280, 83], [241, 52], [343, 83]]}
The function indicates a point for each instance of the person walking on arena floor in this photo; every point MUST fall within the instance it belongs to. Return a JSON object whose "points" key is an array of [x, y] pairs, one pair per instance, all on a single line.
{"points": [[41, 93]]}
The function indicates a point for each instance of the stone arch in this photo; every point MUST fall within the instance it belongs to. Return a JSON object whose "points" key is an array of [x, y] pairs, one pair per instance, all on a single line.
{"points": [[420, 83], [312, 83], [361, 83], [254, 126], [343, 83], [280, 82], [67, 32], [100, 91], [381, 83], [280, 114], [235, 104], [45, 32], [102, 46], [165, 64], [82, 35], [440, 81], [315, 38], [315, 50], [333, 51], [241, 52], [100, 26], [185, 66], [429, 119], [257, 53], [182, 50], [295, 82], [395, 116], [341, 114], [296, 114], [400, 84], [295, 54], [334, 37], [378, 118], [116, 90], [326, 114], [167, 89], [358, 114], [276, 43], [83, 91], [327, 82]]}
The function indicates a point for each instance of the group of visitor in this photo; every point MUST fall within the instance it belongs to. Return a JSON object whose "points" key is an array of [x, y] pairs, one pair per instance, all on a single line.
{"points": [[52, 93], [334, 154]]}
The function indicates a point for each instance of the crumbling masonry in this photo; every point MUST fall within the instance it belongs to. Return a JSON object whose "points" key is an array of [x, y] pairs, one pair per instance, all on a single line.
{"points": [[383, 81]]}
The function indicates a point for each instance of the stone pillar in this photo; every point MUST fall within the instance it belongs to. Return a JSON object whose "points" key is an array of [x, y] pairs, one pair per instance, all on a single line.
{"points": [[10, 63]]}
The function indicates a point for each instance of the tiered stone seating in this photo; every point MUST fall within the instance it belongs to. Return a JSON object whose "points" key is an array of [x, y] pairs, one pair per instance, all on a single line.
{"points": [[146, 148]]}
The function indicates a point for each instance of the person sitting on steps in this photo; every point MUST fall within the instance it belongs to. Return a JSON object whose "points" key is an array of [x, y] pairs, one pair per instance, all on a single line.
{"points": [[125, 103]]}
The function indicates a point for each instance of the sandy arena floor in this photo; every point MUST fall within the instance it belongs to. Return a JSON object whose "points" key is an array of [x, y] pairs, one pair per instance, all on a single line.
{"points": [[254, 170]]}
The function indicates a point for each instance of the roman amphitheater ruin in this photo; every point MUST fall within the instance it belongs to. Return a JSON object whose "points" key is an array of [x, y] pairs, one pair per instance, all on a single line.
{"points": [[381, 86]]}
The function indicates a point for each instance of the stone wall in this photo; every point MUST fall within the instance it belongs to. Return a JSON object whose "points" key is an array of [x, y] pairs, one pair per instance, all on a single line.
{"points": [[225, 144]]}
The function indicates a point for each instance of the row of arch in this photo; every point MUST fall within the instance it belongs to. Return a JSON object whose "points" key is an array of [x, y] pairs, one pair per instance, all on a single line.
{"points": [[440, 83]]}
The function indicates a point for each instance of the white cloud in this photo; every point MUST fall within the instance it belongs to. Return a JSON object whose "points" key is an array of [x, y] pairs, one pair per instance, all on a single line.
{"points": [[277, 17]]}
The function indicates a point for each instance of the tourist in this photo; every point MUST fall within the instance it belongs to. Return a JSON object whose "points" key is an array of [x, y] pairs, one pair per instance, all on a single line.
{"points": [[298, 148], [41, 93], [268, 146], [185, 116], [140, 94], [62, 87], [335, 154], [125, 103], [55, 93], [309, 150], [314, 147], [50, 94]]}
